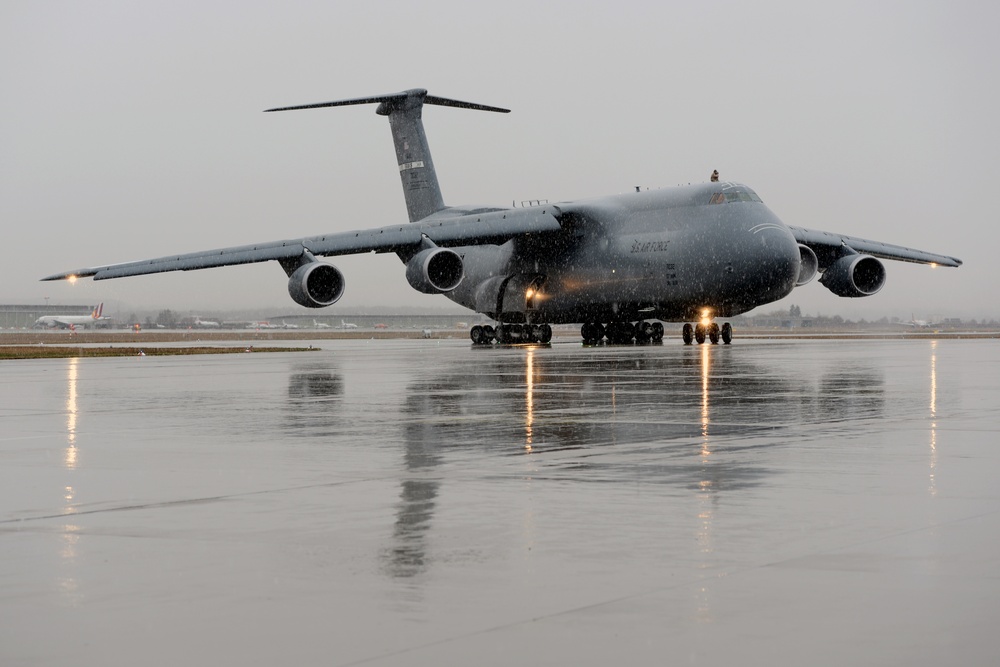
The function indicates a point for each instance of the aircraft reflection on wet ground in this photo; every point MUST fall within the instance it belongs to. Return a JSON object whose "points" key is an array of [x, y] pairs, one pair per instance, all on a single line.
{"points": [[665, 415], [528, 400]]}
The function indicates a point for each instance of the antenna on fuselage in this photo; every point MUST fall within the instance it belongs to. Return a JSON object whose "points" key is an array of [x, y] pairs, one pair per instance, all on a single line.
{"points": [[416, 169]]}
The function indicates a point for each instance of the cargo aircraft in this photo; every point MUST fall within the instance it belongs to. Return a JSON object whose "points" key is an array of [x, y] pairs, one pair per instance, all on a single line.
{"points": [[619, 265]]}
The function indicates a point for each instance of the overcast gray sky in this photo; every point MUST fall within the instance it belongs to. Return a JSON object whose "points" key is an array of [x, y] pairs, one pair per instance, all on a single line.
{"points": [[132, 130]]}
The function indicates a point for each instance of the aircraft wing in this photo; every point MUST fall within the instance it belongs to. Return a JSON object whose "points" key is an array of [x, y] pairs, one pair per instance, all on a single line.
{"points": [[494, 227], [827, 245]]}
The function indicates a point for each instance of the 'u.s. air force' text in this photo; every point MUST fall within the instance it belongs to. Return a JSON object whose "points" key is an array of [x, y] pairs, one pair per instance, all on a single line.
{"points": [[650, 246]]}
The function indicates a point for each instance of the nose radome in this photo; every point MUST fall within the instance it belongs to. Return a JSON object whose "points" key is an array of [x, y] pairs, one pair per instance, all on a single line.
{"points": [[767, 260]]}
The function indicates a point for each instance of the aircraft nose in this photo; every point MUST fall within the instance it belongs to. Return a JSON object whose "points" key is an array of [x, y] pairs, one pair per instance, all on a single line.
{"points": [[768, 262]]}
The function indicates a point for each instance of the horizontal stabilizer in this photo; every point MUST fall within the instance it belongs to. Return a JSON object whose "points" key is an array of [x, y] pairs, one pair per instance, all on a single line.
{"points": [[394, 99]]}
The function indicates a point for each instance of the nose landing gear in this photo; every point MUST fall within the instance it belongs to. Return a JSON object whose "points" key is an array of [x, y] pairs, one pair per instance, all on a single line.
{"points": [[508, 334], [711, 331]]}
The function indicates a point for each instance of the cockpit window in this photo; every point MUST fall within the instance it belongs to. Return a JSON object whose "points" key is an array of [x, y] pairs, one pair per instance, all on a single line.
{"points": [[748, 195]]}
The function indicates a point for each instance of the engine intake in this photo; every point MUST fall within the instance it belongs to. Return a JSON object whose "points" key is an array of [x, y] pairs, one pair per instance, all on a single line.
{"points": [[808, 265], [316, 285], [854, 275], [435, 270]]}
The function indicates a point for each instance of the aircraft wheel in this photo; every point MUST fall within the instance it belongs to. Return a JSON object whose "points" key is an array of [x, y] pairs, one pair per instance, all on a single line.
{"points": [[620, 333], [727, 333], [628, 332], [503, 334], [643, 332], [713, 333], [687, 333], [592, 332], [544, 334], [529, 333], [700, 331], [489, 334], [657, 334], [477, 335]]}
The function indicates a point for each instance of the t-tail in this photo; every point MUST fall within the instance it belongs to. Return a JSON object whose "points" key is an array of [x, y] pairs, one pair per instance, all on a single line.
{"points": [[416, 168]]}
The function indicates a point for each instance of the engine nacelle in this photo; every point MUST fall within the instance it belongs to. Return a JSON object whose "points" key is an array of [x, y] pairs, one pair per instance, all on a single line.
{"points": [[435, 270], [316, 285], [854, 275], [808, 265]]}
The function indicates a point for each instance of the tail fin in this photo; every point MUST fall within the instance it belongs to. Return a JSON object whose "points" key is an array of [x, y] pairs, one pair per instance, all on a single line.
{"points": [[416, 169], [96, 313]]}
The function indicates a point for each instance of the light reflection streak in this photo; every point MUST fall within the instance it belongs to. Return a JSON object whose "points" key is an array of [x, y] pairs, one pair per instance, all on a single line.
{"points": [[68, 585], [933, 413], [706, 493], [706, 360], [71, 413], [529, 400]]}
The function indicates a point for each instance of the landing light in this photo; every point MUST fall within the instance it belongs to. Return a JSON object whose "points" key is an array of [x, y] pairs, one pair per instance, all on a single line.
{"points": [[71, 279], [530, 293], [706, 316]]}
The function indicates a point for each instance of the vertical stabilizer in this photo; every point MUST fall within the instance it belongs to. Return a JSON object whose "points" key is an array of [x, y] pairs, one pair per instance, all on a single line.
{"points": [[413, 156], [416, 168]]}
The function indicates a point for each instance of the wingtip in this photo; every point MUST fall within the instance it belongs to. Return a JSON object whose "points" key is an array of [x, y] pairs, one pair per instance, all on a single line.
{"points": [[71, 276]]}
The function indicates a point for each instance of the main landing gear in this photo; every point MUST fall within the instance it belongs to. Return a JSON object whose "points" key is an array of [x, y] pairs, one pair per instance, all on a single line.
{"points": [[622, 333], [711, 330], [508, 334]]}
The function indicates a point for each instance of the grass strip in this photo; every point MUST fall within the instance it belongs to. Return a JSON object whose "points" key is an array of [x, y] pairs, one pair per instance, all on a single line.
{"points": [[54, 352]]}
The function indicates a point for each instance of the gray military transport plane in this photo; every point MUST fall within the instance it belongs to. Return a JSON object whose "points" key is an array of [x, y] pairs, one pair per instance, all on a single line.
{"points": [[618, 264]]}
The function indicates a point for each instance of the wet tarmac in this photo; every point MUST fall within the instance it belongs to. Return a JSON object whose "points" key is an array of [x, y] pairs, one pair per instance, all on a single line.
{"points": [[421, 502]]}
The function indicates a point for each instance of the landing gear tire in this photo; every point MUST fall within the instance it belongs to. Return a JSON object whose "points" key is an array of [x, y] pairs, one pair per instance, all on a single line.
{"points": [[620, 333], [656, 335], [503, 334], [529, 333], [544, 334], [489, 334], [727, 333], [713, 333], [687, 333], [700, 331], [592, 332], [478, 336], [643, 332]]}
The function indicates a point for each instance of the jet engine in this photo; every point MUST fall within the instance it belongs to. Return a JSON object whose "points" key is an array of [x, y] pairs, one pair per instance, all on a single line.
{"points": [[316, 285], [854, 275], [808, 265], [435, 270]]}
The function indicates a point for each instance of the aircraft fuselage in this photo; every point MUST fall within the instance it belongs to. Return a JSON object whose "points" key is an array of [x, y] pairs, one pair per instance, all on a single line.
{"points": [[666, 254]]}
